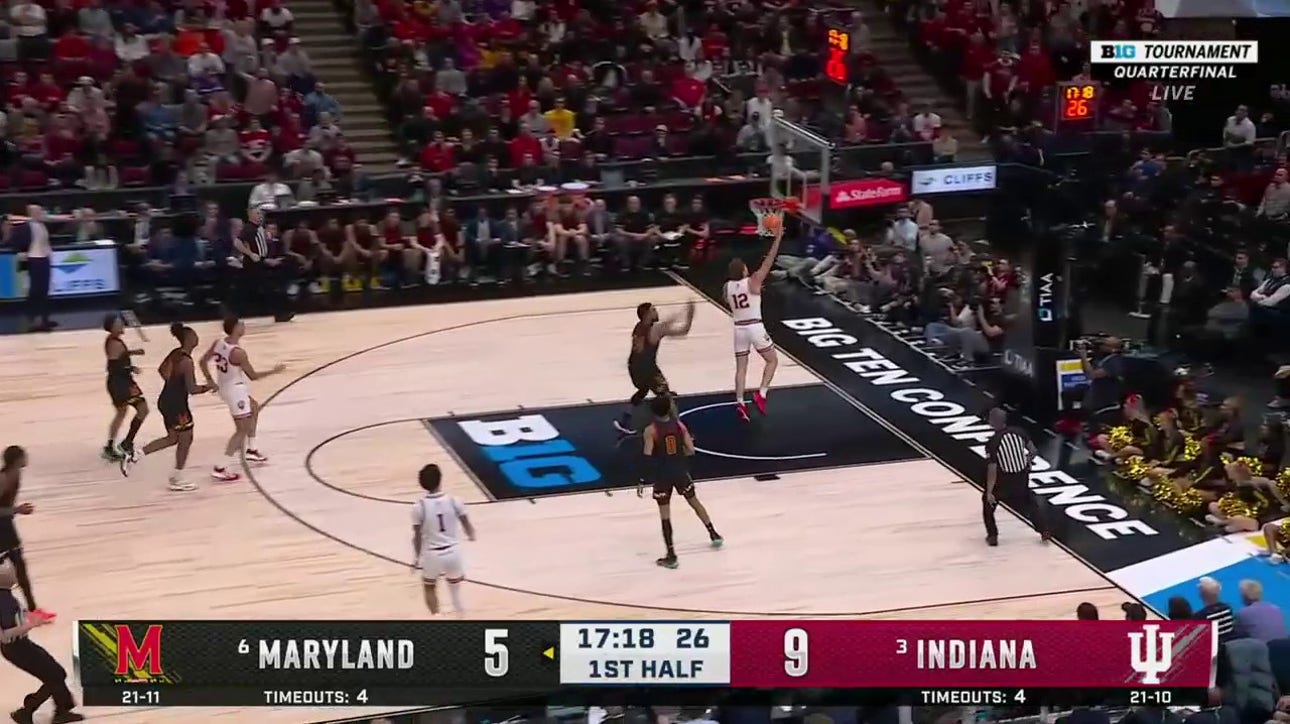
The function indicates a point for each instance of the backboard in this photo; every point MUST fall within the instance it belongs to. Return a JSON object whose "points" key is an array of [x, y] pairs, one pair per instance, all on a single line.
{"points": [[799, 166]]}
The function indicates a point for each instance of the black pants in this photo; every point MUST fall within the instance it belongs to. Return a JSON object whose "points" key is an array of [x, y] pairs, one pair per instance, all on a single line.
{"points": [[38, 271], [1013, 489], [264, 287], [32, 658]]}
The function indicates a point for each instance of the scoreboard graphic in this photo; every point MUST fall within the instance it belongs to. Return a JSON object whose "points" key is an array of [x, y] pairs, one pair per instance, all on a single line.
{"points": [[418, 663]]}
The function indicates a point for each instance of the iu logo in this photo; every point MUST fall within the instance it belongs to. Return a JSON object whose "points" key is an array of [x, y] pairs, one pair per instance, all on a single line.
{"points": [[1151, 653]]}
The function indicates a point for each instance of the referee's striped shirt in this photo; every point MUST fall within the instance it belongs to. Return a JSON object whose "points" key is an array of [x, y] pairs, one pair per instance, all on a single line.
{"points": [[1010, 450]]}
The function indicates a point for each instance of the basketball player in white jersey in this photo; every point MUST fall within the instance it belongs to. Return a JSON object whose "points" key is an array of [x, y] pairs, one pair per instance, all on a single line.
{"points": [[233, 373], [437, 520], [743, 296]]}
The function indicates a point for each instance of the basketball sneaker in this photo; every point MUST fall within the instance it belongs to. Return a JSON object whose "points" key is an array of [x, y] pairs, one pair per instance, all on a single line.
{"points": [[111, 453], [44, 613], [624, 424], [254, 456], [668, 561], [126, 462], [224, 475], [179, 485], [741, 410], [760, 401]]}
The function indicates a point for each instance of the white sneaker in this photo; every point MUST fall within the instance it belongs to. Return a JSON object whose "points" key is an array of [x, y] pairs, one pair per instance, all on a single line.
{"points": [[129, 461], [225, 475], [181, 486], [315, 288], [254, 456], [1276, 559]]}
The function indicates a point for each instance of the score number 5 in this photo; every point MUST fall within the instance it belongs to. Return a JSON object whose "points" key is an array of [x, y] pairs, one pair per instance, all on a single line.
{"points": [[497, 656], [797, 656]]}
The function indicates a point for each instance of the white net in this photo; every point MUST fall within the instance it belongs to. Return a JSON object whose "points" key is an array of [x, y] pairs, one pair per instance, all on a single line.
{"points": [[764, 210]]}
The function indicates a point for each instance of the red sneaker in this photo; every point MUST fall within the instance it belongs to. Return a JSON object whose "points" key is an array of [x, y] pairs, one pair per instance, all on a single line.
{"points": [[760, 401], [742, 411], [44, 613], [224, 475]]}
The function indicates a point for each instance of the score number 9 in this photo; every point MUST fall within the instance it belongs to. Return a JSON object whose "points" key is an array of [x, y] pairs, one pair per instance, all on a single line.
{"points": [[797, 656]]}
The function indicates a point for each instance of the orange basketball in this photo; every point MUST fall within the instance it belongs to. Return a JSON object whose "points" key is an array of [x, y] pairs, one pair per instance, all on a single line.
{"points": [[773, 222]]}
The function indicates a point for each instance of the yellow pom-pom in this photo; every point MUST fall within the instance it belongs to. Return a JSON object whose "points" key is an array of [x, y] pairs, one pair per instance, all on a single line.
{"points": [[1191, 449], [1283, 482], [1227, 458], [1231, 506], [1164, 491], [1134, 468], [1285, 529], [1119, 437], [1251, 463], [1189, 502]]}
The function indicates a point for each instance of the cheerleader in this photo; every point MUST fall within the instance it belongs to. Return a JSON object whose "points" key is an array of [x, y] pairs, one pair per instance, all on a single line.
{"points": [[1130, 437], [1190, 417], [1276, 536], [1170, 446], [1270, 447], [1238, 510]]}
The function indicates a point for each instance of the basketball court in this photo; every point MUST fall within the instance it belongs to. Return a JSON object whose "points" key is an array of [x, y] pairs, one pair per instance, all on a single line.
{"points": [[826, 510]]}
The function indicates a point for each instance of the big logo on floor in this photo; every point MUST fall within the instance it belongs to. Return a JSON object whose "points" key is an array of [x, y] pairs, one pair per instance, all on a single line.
{"points": [[546, 451]]}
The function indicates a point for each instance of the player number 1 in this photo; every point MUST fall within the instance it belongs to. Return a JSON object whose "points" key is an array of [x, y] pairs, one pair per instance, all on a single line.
{"points": [[796, 653], [497, 657]]}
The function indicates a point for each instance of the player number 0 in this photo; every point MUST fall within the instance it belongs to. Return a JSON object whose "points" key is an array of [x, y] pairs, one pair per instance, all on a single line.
{"points": [[497, 657], [796, 653]]}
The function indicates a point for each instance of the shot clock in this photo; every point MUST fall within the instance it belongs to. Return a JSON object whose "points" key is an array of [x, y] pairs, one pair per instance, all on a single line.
{"points": [[837, 49], [1078, 103]]}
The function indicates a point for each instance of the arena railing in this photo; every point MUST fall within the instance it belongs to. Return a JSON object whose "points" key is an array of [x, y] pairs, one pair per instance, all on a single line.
{"points": [[1220, 153], [232, 196]]}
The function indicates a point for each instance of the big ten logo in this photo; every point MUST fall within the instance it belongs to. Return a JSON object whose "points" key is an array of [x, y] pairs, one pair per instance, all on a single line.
{"points": [[530, 453], [1119, 51], [820, 332]]}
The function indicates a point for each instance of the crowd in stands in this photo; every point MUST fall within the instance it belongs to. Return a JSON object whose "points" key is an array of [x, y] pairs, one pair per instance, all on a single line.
{"points": [[101, 95], [1003, 58], [511, 94], [913, 274]]}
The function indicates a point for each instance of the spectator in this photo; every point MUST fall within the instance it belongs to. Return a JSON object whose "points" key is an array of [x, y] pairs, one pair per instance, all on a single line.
{"points": [[561, 120], [760, 107], [751, 137], [903, 231], [637, 235], [1180, 609], [483, 239], [31, 27], [945, 148], [1239, 130], [1086, 612], [320, 102], [450, 79], [221, 144], [1276, 198], [1215, 610], [1258, 619], [276, 20], [293, 67], [130, 46], [1225, 324], [269, 193], [1134, 611], [938, 249], [926, 124]]}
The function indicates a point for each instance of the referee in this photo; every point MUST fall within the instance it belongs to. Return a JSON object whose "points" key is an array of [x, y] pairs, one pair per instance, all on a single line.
{"points": [[1008, 456], [31, 657]]}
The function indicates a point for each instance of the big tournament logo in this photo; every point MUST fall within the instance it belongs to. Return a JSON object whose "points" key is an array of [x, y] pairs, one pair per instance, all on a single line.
{"points": [[548, 451]]}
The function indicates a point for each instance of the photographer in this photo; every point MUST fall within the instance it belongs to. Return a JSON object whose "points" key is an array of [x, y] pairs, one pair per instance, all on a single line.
{"points": [[1102, 363], [811, 268]]}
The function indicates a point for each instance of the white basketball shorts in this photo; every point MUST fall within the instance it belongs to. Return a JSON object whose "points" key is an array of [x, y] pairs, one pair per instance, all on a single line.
{"points": [[444, 563], [751, 336], [238, 399]]}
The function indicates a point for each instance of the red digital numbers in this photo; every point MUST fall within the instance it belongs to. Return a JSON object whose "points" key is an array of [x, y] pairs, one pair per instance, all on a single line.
{"points": [[837, 47], [1078, 101]]}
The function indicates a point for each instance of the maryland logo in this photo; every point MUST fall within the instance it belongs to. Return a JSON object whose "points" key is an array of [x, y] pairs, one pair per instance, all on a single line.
{"points": [[133, 659]]}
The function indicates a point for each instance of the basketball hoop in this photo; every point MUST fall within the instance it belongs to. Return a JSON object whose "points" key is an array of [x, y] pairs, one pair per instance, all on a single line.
{"points": [[768, 208]]}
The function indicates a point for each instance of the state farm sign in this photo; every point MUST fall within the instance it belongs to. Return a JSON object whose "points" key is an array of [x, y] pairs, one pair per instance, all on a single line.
{"points": [[866, 192]]}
